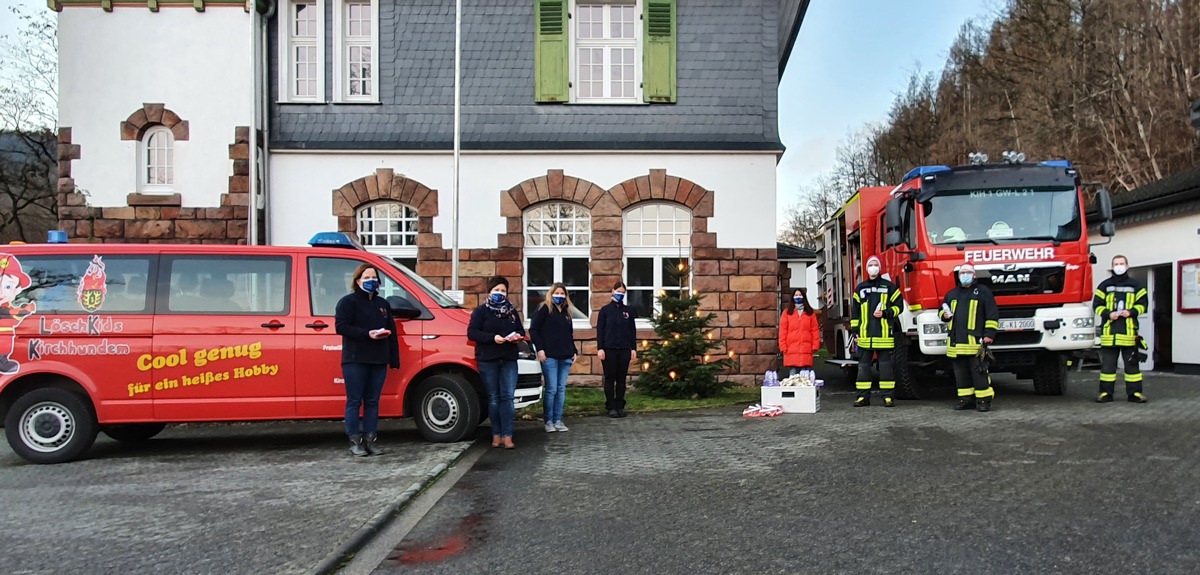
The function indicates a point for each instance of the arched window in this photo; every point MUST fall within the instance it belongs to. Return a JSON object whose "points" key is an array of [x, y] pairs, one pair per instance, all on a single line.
{"points": [[389, 229], [658, 240], [558, 241], [156, 160]]}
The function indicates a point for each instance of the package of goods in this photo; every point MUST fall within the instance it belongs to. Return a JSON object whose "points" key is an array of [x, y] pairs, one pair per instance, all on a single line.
{"points": [[794, 398], [757, 410]]}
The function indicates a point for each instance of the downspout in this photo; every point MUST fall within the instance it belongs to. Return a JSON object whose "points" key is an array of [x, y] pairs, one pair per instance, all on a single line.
{"points": [[252, 135], [457, 142]]}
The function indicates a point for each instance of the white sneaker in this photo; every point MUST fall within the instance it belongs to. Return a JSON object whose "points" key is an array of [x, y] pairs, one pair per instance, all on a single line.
{"points": [[560, 426], [550, 428]]}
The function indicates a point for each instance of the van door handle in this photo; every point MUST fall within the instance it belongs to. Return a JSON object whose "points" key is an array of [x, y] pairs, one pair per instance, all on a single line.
{"points": [[318, 325], [273, 324]]}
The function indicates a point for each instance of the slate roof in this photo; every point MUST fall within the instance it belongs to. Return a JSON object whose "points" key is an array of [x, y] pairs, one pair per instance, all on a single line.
{"points": [[1174, 195], [788, 252], [727, 68]]}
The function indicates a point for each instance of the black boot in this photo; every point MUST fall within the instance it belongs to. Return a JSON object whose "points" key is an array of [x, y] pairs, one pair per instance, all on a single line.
{"points": [[372, 448], [863, 400], [356, 446], [984, 405], [965, 404]]}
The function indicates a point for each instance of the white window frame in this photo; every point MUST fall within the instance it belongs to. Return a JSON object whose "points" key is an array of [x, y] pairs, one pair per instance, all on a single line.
{"points": [[389, 250], [558, 253], [144, 159], [682, 250], [575, 43], [341, 51], [287, 63]]}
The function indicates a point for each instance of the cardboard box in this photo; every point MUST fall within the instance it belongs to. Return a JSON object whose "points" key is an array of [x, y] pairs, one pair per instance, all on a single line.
{"points": [[793, 399]]}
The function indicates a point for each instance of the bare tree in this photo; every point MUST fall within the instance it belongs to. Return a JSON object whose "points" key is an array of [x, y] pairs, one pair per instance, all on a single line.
{"points": [[28, 108]]}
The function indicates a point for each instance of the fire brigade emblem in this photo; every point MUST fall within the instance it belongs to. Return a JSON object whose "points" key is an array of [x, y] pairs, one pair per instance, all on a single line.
{"points": [[92, 288]]}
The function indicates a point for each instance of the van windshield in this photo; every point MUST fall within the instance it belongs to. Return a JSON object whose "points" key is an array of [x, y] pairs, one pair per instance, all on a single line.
{"points": [[438, 295], [1003, 215]]}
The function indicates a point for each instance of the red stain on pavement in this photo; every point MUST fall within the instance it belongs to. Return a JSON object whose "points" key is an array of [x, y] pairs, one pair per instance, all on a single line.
{"points": [[444, 548]]}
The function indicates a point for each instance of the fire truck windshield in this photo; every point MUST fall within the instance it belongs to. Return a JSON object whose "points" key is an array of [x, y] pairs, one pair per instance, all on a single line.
{"points": [[1002, 215]]}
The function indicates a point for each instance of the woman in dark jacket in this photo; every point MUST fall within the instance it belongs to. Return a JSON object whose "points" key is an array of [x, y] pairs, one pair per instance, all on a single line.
{"points": [[369, 346], [616, 337], [554, 335], [496, 328]]}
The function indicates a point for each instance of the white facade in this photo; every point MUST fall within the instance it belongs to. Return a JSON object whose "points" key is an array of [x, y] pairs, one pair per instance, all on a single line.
{"points": [[198, 64], [302, 185], [1156, 243], [804, 275]]}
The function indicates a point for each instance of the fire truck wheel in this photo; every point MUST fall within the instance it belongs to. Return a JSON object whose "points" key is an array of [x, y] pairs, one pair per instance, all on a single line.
{"points": [[1050, 374], [50, 425], [133, 432], [907, 386], [446, 408]]}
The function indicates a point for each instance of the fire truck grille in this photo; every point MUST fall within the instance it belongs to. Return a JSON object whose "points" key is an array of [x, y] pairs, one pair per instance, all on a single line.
{"points": [[1025, 281]]}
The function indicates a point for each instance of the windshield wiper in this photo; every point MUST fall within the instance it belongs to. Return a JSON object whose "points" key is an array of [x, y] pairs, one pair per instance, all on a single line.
{"points": [[1042, 238], [961, 243]]}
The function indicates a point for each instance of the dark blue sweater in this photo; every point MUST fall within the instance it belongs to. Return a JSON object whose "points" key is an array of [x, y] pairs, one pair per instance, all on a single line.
{"points": [[553, 332], [356, 315], [615, 328], [484, 328]]}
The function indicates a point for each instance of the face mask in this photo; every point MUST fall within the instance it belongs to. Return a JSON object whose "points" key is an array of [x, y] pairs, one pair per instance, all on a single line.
{"points": [[559, 299], [1120, 269], [872, 271], [966, 279], [799, 300], [618, 297], [370, 286], [497, 297]]}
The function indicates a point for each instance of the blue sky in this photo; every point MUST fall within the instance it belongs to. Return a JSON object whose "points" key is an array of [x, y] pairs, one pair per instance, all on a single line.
{"points": [[851, 59]]}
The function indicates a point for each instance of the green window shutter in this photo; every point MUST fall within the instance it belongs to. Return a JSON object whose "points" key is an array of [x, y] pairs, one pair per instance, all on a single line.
{"points": [[550, 51], [658, 53]]}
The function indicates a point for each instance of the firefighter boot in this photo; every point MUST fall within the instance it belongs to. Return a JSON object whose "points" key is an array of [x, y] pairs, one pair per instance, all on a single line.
{"points": [[889, 401], [863, 399], [984, 405], [356, 446], [1137, 397], [1105, 397], [965, 404]]}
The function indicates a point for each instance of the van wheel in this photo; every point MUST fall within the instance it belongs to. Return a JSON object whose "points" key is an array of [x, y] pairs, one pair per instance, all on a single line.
{"points": [[50, 425], [133, 432], [446, 408]]}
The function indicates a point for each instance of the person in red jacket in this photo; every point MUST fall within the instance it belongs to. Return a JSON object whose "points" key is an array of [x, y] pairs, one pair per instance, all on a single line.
{"points": [[799, 334]]}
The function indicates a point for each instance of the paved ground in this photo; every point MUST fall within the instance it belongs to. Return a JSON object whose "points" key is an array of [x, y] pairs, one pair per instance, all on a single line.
{"points": [[1041, 485], [248, 498]]}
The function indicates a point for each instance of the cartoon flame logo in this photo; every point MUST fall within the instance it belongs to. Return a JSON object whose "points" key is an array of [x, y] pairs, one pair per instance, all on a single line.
{"points": [[92, 288]]}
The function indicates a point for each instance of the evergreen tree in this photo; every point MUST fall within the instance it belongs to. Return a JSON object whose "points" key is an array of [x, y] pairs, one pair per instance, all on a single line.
{"points": [[685, 361]]}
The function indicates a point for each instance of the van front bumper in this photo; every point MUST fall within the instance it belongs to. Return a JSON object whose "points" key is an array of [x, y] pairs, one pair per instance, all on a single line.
{"points": [[529, 383]]}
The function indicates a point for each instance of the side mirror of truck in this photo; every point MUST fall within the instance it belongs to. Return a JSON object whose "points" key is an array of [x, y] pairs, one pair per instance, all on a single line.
{"points": [[893, 239], [1104, 206], [1108, 229], [402, 308], [891, 216]]}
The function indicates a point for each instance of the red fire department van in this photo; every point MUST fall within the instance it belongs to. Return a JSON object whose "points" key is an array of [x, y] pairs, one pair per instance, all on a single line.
{"points": [[126, 338]]}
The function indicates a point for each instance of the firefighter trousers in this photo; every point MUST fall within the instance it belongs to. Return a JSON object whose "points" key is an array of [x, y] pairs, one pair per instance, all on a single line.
{"points": [[973, 383], [1108, 369], [887, 380]]}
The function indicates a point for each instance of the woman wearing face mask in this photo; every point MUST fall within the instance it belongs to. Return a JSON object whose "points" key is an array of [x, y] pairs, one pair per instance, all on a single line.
{"points": [[369, 346], [496, 328], [799, 334], [616, 338], [973, 318], [552, 332]]}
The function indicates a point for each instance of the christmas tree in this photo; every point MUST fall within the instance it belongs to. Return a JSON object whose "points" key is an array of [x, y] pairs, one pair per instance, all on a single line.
{"points": [[686, 359]]}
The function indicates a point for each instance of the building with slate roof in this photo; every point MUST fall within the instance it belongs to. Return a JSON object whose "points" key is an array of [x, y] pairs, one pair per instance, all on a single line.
{"points": [[601, 140], [1158, 230]]}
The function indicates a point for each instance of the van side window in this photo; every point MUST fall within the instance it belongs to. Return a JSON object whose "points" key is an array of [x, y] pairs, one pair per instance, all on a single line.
{"points": [[329, 279], [225, 284], [81, 284]]}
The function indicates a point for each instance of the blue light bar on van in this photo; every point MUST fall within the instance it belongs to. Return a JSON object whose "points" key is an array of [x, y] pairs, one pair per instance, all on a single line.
{"points": [[56, 237], [1056, 163], [924, 170], [334, 240]]}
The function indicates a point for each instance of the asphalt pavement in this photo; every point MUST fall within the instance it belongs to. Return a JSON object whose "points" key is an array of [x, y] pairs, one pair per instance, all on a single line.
{"points": [[1040, 485]]}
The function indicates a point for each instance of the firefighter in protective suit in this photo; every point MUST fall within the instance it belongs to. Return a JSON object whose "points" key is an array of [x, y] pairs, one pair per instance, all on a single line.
{"points": [[1119, 300], [877, 303], [971, 311]]}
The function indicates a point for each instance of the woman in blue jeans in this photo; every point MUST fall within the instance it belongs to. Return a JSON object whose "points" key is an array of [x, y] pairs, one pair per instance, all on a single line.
{"points": [[496, 328], [554, 335], [369, 346]]}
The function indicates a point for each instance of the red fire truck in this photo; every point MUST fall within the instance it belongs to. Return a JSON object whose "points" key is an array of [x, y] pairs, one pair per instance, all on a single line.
{"points": [[1021, 225]]}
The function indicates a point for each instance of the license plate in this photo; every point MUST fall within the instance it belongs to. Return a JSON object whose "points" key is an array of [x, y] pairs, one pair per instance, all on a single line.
{"points": [[1016, 324]]}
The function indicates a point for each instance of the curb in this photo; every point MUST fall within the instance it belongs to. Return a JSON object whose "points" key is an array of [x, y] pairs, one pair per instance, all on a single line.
{"points": [[334, 560]]}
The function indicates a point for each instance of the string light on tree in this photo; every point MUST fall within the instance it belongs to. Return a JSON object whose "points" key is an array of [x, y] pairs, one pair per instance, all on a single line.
{"points": [[687, 358]]}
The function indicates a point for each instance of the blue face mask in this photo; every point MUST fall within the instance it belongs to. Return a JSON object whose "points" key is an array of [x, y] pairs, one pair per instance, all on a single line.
{"points": [[966, 279], [559, 299], [370, 286], [497, 297], [799, 300], [618, 297]]}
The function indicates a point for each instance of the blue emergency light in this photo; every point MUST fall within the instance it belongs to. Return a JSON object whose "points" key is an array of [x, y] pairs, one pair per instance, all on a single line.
{"points": [[924, 171], [334, 240], [56, 237], [1056, 163]]}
